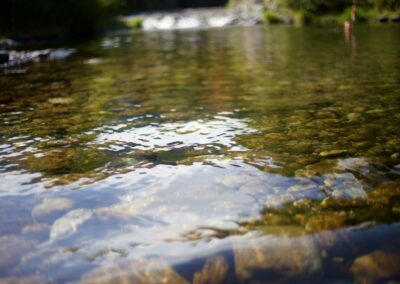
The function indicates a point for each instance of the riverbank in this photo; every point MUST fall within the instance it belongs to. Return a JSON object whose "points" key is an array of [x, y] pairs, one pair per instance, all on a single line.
{"points": [[258, 12], [196, 18], [246, 16], [199, 18]]}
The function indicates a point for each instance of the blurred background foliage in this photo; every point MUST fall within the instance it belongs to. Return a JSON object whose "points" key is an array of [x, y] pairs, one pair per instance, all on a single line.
{"points": [[85, 16], [337, 6], [77, 16]]}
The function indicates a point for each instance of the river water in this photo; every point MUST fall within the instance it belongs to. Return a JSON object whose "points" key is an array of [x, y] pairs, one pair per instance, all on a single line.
{"points": [[242, 154]]}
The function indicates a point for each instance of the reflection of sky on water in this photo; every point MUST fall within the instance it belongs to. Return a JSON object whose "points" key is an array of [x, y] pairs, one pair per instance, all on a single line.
{"points": [[219, 131], [199, 135], [143, 152], [148, 213], [152, 211]]}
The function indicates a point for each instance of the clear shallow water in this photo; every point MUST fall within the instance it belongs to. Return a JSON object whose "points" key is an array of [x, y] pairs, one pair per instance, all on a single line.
{"points": [[225, 155]]}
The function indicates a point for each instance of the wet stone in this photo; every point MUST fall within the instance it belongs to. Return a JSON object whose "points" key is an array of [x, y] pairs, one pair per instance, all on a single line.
{"points": [[215, 270], [385, 193], [395, 156], [21, 57], [275, 136], [283, 257], [376, 267], [395, 18], [317, 169], [327, 114], [138, 271], [344, 186], [377, 151], [383, 19], [333, 153], [353, 117], [303, 188], [277, 200], [93, 61], [332, 203], [61, 101], [325, 222], [353, 164]]}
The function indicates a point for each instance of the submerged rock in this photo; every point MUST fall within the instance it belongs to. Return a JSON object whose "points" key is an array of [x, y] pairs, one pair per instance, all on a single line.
{"points": [[353, 164], [61, 101], [215, 271], [21, 57], [354, 116], [385, 193], [277, 200], [376, 267], [332, 203], [320, 168], [396, 18], [332, 153], [93, 61], [138, 272], [344, 186], [286, 258], [325, 222], [69, 223], [383, 19]]}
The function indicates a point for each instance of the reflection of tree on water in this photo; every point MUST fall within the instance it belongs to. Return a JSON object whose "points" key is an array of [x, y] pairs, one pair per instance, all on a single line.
{"points": [[348, 31]]}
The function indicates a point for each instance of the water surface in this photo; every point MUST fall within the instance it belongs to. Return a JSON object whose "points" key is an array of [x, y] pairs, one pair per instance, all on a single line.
{"points": [[225, 155]]}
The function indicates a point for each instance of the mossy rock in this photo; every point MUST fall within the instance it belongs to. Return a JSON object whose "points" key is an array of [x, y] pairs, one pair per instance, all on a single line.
{"points": [[272, 17]]}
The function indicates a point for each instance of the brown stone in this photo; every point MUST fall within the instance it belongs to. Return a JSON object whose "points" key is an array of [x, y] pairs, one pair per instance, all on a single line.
{"points": [[215, 271], [138, 272], [288, 258], [332, 153], [376, 266], [384, 193]]}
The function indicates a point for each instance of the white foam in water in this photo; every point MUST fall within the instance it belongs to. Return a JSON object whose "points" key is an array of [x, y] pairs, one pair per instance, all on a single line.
{"points": [[188, 23], [219, 21], [165, 23]]}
